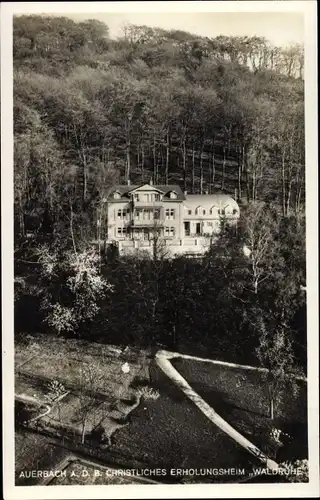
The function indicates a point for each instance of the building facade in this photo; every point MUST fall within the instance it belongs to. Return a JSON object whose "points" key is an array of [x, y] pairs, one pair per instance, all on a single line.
{"points": [[140, 216]]}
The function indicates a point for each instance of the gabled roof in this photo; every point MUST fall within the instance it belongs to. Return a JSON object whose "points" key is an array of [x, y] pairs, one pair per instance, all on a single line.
{"points": [[145, 187], [125, 191]]}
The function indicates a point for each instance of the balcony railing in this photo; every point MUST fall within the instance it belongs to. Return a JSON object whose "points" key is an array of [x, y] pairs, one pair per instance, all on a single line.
{"points": [[151, 223]]}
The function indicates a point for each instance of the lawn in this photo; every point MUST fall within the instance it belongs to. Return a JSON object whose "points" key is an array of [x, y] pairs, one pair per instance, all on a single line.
{"points": [[35, 388], [240, 397], [39, 361], [171, 432], [35, 452], [63, 359]]}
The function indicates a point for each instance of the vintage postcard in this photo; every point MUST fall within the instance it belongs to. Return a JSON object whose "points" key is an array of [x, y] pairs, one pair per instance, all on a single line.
{"points": [[159, 215]]}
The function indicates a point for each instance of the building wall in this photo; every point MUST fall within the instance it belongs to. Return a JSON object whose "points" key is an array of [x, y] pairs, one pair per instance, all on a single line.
{"points": [[169, 221], [114, 221], [199, 212]]}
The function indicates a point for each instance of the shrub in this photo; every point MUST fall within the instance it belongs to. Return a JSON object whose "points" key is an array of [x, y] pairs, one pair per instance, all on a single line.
{"points": [[147, 392]]}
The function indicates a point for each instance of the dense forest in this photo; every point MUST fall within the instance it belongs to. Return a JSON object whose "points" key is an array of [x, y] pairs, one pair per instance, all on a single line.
{"points": [[211, 114]]}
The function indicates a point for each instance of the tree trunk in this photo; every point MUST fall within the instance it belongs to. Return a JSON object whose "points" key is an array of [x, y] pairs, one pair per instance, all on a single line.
{"points": [[167, 157], [239, 174], [272, 408], [21, 217], [193, 168], [84, 176], [213, 173], [128, 162], [83, 433], [142, 163], [289, 197], [283, 178], [71, 230], [201, 168], [184, 164], [154, 160], [223, 168]]}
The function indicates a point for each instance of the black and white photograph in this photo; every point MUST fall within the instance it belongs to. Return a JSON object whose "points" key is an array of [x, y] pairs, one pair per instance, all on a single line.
{"points": [[164, 330]]}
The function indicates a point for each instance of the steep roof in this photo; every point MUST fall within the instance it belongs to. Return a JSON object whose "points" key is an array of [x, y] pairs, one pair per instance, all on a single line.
{"points": [[124, 191], [209, 200]]}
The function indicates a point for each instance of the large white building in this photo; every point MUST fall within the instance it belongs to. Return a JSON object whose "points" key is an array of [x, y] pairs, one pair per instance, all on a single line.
{"points": [[140, 216]]}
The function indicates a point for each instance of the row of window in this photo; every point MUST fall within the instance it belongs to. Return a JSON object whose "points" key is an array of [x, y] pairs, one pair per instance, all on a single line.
{"points": [[146, 214], [123, 231], [170, 213], [200, 211], [147, 197]]}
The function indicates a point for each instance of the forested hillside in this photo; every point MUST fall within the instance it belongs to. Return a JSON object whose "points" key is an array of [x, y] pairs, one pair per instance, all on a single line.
{"points": [[223, 113], [220, 113]]}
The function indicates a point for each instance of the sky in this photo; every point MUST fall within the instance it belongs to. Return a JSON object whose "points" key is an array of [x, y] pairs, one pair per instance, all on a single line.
{"points": [[280, 28]]}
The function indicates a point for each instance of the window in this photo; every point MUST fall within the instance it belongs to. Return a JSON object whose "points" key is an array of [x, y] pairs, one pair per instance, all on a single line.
{"points": [[223, 211], [157, 214], [169, 231], [136, 197], [234, 211], [204, 212], [189, 212], [157, 197], [169, 214], [122, 231], [122, 213]]}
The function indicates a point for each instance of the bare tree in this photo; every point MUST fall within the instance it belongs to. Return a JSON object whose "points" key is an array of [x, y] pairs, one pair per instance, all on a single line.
{"points": [[275, 353], [260, 243], [89, 382]]}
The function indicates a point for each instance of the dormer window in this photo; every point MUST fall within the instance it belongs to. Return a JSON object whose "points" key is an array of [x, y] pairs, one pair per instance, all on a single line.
{"points": [[116, 195], [234, 211], [173, 195]]}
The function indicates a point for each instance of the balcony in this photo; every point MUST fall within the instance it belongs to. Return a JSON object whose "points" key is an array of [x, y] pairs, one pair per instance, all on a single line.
{"points": [[150, 223], [147, 204]]}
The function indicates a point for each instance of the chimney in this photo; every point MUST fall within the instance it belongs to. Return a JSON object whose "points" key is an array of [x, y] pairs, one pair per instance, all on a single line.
{"points": [[206, 192], [151, 182], [128, 182], [185, 193]]}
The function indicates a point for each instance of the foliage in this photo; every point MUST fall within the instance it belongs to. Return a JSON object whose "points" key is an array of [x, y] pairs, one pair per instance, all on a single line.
{"points": [[72, 287], [275, 353], [223, 113], [214, 113], [147, 392], [301, 466]]}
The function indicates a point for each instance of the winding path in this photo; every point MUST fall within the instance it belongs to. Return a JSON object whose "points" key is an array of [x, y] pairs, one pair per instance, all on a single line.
{"points": [[163, 361]]}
